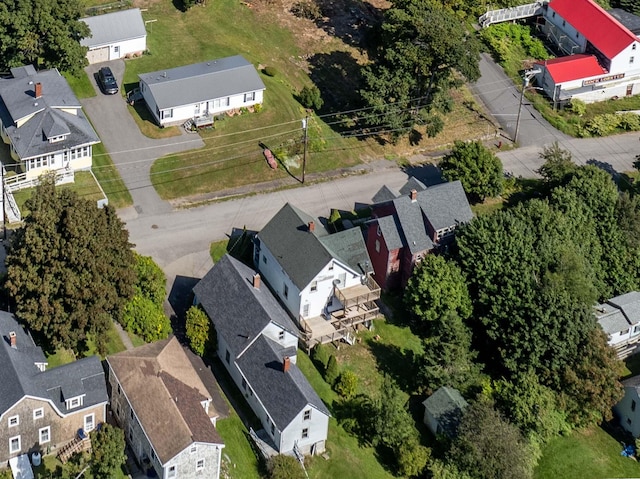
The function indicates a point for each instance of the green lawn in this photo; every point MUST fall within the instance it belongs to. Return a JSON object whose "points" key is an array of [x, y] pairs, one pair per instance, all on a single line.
{"points": [[84, 185], [50, 463], [243, 463], [585, 454], [81, 85], [109, 178]]}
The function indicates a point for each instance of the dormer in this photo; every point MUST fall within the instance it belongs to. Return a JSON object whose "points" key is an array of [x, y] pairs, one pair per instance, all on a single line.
{"points": [[53, 129], [74, 402]]}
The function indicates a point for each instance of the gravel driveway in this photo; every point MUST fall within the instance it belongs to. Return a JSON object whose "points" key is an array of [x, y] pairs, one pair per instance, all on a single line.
{"points": [[131, 151]]}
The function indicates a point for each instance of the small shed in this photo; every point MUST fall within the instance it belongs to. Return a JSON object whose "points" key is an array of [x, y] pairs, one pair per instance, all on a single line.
{"points": [[443, 411], [115, 35]]}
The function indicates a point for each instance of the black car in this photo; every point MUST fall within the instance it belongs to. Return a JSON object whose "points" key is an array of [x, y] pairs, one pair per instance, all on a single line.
{"points": [[107, 81]]}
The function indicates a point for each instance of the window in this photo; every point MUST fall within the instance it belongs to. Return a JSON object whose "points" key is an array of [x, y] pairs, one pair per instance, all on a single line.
{"points": [[628, 420], [131, 413], [14, 444], [116, 49], [331, 266], [74, 402], [622, 333], [633, 47], [286, 291], [249, 96], [38, 413], [305, 310], [564, 23], [636, 330], [273, 429], [227, 357], [194, 449], [45, 435], [244, 384], [307, 415], [305, 433], [172, 471], [577, 34], [377, 246], [200, 465], [631, 59], [314, 286], [221, 102], [14, 421], [633, 405], [281, 336], [553, 14], [89, 422], [166, 114], [119, 390], [264, 259]]}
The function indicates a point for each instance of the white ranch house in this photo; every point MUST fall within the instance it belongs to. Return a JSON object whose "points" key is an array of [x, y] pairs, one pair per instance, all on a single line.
{"points": [[115, 35], [42, 122], [201, 90]]}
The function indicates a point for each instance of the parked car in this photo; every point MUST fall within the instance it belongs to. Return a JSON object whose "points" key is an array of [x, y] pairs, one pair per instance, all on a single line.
{"points": [[107, 81]]}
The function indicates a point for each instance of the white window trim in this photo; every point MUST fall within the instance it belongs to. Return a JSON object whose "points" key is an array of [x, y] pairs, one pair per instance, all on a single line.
{"points": [[74, 402], [40, 431], [193, 449], [12, 418], [38, 413], [200, 467], [93, 422], [19, 448], [172, 471]]}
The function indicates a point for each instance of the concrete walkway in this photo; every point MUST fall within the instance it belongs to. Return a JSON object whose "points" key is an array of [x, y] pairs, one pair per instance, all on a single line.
{"points": [[124, 337], [131, 151]]}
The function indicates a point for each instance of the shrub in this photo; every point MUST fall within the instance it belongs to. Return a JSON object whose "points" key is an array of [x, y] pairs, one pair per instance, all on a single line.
{"points": [[309, 97], [347, 384], [630, 121], [320, 356], [412, 457], [285, 467], [199, 331], [270, 71], [306, 9], [145, 318], [257, 108], [577, 106], [333, 370], [150, 281], [602, 125]]}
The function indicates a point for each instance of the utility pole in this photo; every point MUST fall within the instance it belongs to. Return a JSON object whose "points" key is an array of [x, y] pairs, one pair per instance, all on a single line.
{"points": [[528, 75], [4, 209], [305, 127]]}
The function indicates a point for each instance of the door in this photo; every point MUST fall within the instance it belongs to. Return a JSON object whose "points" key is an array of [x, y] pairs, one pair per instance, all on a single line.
{"points": [[98, 55], [630, 90]]}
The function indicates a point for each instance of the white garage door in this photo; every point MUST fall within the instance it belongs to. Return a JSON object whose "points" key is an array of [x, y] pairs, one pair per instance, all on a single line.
{"points": [[98, 55]]}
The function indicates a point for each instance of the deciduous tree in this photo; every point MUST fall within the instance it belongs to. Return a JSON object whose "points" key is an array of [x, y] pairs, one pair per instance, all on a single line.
{"points": [[45, 33], [200, 331], [107, 451], [150, 282], [70, 268], [479, 170]]}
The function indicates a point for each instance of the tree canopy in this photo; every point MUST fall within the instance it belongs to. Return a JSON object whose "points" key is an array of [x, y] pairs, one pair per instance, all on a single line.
{"points": [[70, 268], [477, 168], [107, 451], [45, 33], [421, 45]]}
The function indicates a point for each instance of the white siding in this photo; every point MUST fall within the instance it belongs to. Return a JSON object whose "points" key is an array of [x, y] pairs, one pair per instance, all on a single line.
{"points": [[629, 420], [622, 62], [321, 299], [272, 331], [277, 279], [128, 47], [317, 428]]}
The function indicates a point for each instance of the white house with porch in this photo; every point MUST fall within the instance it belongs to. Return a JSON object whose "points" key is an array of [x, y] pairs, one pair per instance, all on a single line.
{"points": [[201, 90], [115, 35], [42, 122], [619, 318], [257, 343], [323, 280]]}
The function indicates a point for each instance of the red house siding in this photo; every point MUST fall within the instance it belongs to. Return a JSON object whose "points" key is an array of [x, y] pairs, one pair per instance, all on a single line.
{"points": [[379, 254]]}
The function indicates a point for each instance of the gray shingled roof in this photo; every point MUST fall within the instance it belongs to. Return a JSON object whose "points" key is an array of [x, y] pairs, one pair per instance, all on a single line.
{"points": [[446, 405], [202, 81], [348, 246], [412, 224], [17, 101], [20, 377], [412, 183], [445, 204], [303, 254], [619, 313], [385, 194], [114, 27], [283, 395], [391, 232], [629, 20], [238, 310]]}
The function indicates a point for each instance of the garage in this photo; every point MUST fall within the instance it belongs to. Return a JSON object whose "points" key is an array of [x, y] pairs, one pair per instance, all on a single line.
{"points": [[98, 55]]}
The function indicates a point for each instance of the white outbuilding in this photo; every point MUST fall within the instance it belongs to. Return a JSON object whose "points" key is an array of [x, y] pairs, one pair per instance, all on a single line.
{"points": [[115, 35]]}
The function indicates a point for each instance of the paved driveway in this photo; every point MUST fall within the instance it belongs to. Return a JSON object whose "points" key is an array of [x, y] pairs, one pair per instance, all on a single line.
{"points": [[131, 151], [502, 99]]}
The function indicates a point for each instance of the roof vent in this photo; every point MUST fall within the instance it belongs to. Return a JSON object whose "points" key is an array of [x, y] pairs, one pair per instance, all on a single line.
{"points": [[35, 103]]}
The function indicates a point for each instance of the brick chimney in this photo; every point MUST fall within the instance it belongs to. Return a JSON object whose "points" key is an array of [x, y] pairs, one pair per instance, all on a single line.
{"points": [[312, 226], [38, 90], [256, 280], [414, 195], [13, 340], [286, 363]]}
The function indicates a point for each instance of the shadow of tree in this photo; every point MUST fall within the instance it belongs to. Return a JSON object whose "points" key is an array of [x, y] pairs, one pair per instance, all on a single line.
{"points": [[428, 173], [350, 20], [398, 363]]}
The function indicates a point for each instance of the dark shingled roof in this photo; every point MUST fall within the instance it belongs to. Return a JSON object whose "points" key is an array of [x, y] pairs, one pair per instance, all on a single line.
{"points": [[165, 392], [385, 194], [391, 232], [446, 405], [445, 204], [412, 183], [629, 20], [17, 101], [283, 395], [238, 310], [303, 254], [412, 224], [20, 377]]}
